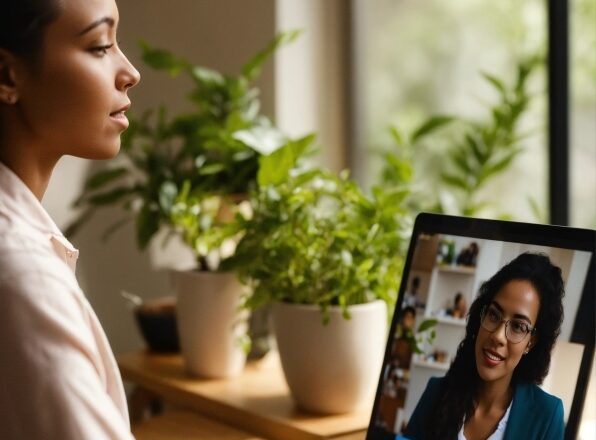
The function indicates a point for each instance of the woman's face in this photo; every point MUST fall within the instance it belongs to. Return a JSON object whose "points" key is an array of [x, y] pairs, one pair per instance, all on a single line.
{"points": [[73, 102], [496, 357]]}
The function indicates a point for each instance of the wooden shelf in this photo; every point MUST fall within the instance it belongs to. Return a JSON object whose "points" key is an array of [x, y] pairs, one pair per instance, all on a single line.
{"points": [[258, 401], [464, 270], [188, 426], [442, 366], [449, 320]]}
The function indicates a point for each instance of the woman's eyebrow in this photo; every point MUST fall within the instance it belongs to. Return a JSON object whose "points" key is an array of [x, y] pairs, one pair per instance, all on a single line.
{"points": [[108, 20], [497, 306], [517, 315], [524, 317]]}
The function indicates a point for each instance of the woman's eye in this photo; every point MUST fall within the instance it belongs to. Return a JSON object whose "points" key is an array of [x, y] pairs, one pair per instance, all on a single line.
{"points": [[493, 315], [101, 50], [519, 327]]}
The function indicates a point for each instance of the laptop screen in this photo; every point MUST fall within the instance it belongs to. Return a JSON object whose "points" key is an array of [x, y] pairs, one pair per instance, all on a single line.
{"points": [[448, 261]]}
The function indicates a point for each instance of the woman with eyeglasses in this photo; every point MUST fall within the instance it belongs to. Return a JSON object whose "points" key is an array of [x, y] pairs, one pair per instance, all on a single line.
{"points": [[491, 389]]}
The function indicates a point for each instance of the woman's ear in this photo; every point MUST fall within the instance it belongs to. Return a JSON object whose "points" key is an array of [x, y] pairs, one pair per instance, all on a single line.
{"points": [[8, 68], [530, 344]]}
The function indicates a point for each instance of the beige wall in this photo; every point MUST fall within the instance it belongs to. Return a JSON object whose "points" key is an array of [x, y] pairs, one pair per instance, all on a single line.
{"points": [[221, 34], [312, 75]]}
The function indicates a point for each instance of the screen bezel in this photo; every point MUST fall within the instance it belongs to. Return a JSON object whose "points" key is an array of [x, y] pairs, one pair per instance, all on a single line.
{"points": [[526, 233]]}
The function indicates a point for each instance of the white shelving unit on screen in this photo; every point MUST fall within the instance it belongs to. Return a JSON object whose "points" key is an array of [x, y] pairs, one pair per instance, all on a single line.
{"points": [[445, 283]]}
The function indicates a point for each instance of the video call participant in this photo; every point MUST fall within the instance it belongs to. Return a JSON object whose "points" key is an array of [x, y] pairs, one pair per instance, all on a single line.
{"points": [[491, 389]]}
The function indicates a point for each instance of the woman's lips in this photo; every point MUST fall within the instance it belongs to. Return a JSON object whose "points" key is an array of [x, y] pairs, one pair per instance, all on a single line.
{"points": [[491, 358], [120, 118]]}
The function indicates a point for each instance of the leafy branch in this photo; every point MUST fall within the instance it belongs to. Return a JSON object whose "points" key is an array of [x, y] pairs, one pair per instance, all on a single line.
{"points": [[315, 238], [482, 150]]}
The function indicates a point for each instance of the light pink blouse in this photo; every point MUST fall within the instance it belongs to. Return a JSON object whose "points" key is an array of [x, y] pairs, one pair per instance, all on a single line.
{"points": [[58, 376]]}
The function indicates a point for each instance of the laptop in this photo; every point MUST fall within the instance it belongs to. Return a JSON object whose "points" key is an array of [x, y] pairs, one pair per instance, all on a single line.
{"points": [[448, 259]]}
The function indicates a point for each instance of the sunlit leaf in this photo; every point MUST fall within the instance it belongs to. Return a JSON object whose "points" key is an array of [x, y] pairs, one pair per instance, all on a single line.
{"points": [[496, 83], [430, 126], [252, 69]]}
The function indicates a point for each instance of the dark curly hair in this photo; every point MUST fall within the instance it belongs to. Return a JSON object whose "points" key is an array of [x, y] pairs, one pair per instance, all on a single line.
{"points": [[458, 393], [22, 23]]}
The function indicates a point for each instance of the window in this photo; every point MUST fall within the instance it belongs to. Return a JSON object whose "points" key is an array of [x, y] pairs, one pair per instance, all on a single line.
{"points": [[416, 59], [582, 78]]}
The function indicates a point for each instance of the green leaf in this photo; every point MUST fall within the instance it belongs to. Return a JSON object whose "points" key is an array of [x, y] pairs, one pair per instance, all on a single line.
{"points": [[100, 178], [365, 266], [496, 168], [475, 147], [496, 82], [211, 169], [147, 225], [252, 69], [167, 195], [207, 77], [396, 135], [429, 126], [264, 140], [109, 197], [162, 59], [471, 209], [459, 158], [275, 168], [455, 181], [426, 324]]}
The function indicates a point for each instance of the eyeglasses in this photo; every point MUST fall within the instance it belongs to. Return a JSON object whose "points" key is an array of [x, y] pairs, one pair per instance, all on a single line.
{"points": [[515, 329]]}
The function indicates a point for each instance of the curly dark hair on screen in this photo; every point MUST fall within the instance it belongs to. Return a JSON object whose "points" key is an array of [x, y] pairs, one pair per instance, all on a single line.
{"points": [[456, 399], [22, 23]]}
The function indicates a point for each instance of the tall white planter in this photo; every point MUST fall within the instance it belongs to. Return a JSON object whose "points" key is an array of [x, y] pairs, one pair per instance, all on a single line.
{"points": [[210, 323], [331, 368]]}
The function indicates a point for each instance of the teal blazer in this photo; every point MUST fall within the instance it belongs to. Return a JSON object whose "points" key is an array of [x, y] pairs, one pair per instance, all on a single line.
{"points": [[534, 415]]}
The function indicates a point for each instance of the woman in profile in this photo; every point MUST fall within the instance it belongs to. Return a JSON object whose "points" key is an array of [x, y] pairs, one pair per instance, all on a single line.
{"points": [[491, 389], [63, 91]]}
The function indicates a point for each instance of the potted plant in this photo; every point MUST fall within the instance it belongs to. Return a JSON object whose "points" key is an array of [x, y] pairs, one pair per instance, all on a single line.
{"points": [[187, 173], [328, 259]]}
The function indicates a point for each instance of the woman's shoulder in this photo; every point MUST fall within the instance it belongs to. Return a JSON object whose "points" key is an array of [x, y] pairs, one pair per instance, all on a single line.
{"points": [[535, 414], [532, 393], [434, 384], [418, 420]]}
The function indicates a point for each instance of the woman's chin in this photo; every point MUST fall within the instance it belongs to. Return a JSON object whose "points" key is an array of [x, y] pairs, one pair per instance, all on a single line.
{"points": [[101, 152], [487, 374]]}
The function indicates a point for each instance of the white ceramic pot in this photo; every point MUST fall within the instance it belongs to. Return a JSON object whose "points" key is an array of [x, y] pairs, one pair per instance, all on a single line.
{"points": [[331, 368], [211, 325], [168, 251]]}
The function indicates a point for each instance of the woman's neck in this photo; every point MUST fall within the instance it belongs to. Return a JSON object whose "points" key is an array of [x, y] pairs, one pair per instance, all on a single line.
{"points": [[495, 395], [30, 165], [25, 153]]}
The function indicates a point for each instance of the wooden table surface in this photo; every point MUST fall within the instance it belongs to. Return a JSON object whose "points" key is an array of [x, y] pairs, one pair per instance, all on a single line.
{"points": [[187, 425], [258, 401]]}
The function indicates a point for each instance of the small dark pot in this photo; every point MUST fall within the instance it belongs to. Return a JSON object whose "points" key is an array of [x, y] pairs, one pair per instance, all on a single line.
{"points": [[157, 322]]}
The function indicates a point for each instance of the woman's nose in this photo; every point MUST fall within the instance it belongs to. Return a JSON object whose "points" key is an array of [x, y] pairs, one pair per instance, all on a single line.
{"points": [[500, 333], [128, 76]]}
